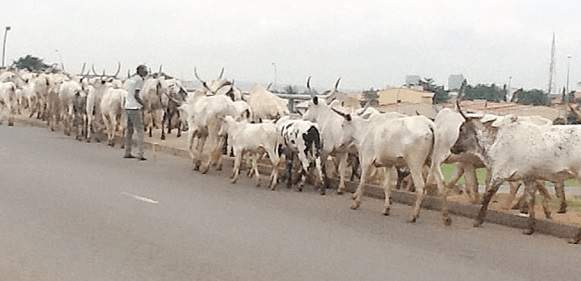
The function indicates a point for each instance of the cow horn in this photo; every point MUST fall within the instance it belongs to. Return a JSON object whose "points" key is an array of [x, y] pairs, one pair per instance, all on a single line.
{"points": [[337, 84], [160, 69], [83, 69], [118, 69], [460, 110], [221, 74], [128, 73], [418, 113], [309, 83], [268, 86], [93, 69], [198, 76], [344, 115]]}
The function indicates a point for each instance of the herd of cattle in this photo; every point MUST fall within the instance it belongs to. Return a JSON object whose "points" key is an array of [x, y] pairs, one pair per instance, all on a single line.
{"points": [[328, 138]]}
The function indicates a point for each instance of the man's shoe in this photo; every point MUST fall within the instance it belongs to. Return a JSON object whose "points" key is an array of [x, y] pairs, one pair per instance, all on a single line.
{"points": [[141, 158], [129, 156]]}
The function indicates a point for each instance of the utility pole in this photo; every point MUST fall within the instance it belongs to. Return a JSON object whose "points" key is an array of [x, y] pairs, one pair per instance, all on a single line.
{"points": [[551, 67], [4, 46], [568, 71], [275, 75]]}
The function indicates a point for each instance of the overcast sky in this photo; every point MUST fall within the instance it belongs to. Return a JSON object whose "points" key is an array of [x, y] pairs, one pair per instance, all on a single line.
{"points": [[368, 43]]}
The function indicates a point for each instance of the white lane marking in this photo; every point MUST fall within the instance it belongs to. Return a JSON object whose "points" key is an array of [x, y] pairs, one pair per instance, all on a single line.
{"points": [[140, 198]]}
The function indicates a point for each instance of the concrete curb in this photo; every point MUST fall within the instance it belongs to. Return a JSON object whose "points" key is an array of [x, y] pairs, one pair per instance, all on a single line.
{"points": [[431, 202]]}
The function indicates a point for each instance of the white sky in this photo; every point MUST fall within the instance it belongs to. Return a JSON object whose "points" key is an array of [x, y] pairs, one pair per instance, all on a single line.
{"points": [[367, 42]]}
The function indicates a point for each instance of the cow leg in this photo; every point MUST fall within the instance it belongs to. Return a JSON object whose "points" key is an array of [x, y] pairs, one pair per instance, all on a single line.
{"points": [[494, 185], [289, 169], [471, 183], [514, 186], [444, 191], [163, 119], [387, 186], [416, 173], [560, 191], [365, 165], [530, 189], [342, 168], [179, 126], [236, 169], [274, 159], [255, 168], [546, 198], [322, 180]]}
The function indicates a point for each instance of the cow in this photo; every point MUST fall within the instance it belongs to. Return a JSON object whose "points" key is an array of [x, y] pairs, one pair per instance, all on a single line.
{"points": [[303, 139], [265, 105], [517, 150], [170, 100], [391, 142], [253, 139], [68, 92], [202, 114], [330, 125], [112, 112], [8, 102]]}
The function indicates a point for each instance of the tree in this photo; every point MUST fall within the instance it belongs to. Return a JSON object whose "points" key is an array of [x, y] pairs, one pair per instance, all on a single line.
{"points": [[370, 96], [289, 90], [440, 95], [484, 92], [31, 63], [532, 97]]}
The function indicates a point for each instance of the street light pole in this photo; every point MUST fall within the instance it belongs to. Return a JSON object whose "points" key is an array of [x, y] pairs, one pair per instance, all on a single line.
{"points": [[4, 46], [275, 75], [568, 70]]}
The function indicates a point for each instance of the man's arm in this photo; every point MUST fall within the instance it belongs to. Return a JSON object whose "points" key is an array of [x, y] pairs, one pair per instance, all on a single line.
{"points": [[137, 97]]}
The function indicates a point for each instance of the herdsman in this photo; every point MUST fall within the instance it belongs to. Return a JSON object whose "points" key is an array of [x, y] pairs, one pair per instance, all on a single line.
{"points": [[134, 112]]}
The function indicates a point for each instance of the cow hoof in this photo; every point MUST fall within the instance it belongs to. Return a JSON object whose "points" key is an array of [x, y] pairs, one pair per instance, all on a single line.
{"points": [[355, 205], [528, 231], [562, 210], [447, 221], [300, 189], [339, 192], [412, 219], [477, 223], [385, 212], [322, 192], [233, 181], [88, 140], [10, 124]]}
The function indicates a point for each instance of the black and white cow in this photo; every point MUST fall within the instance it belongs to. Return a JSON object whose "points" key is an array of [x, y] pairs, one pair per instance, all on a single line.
{"points": [[302, 138]]}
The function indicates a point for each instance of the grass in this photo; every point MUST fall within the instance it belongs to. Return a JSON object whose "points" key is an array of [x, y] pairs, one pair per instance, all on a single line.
{"points": [[448, 171]]}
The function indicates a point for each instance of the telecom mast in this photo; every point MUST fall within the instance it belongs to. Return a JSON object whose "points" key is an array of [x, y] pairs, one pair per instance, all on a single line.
{"points": [[552, 69]]}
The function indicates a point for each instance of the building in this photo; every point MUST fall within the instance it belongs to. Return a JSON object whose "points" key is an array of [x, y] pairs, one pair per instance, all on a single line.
{"points": [[403, 95], [412, 80], [455, 82]]}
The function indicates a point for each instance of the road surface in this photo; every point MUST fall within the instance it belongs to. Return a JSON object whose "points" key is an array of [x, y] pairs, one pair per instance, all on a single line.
{"points": [[77, 211]]}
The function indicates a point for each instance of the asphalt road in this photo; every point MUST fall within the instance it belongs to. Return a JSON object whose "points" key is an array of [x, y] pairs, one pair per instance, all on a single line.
{"points": [[76, 211]]}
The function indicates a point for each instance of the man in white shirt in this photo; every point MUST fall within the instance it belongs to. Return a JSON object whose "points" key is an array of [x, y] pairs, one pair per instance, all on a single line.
{"points": [[134, 112]]}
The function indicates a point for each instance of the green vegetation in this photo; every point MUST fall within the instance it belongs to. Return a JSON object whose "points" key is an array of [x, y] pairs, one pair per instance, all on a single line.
{"points": [[31, 63], [484, 92]]}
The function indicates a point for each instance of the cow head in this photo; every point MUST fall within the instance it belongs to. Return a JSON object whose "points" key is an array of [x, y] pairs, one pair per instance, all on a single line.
{"points": [[477, 133], [217, 86]]}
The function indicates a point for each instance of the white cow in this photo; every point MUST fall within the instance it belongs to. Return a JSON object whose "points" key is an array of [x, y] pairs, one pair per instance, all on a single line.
{"points": [[253, 139], [516, 150], [67, 93], [385, 141], [265, 105], [8, 102], [112, 112], [203, 115]]}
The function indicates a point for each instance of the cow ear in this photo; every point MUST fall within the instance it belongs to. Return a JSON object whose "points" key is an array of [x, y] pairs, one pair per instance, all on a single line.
{"points": [[315, 100]]}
